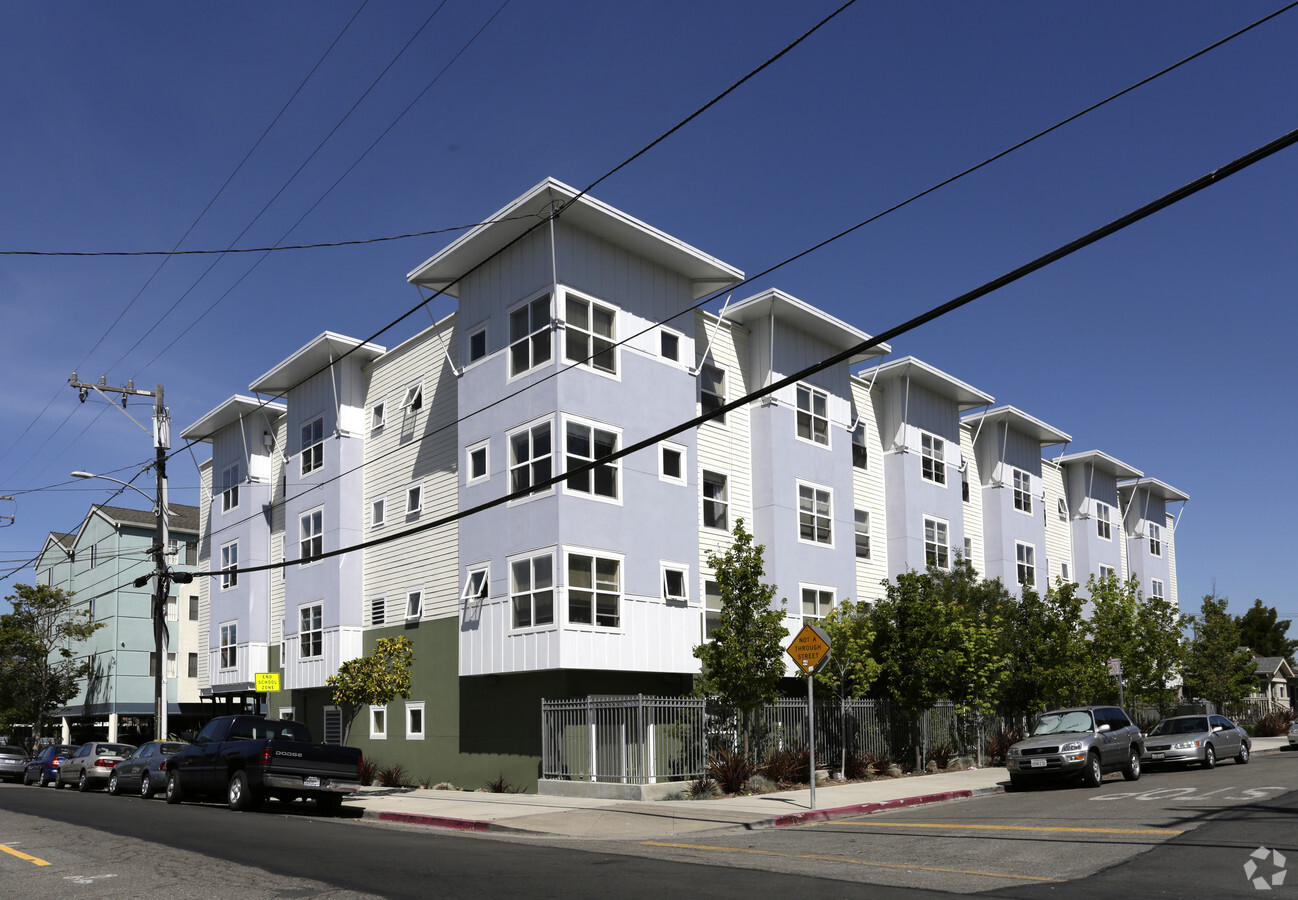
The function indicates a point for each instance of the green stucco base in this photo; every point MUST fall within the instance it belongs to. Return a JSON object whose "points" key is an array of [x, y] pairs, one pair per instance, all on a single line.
{"points": [[478, 729]]}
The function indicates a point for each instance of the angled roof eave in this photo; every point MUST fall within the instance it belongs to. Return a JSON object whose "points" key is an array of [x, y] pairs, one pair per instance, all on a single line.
{"points": [[1048, 435], [966, 396], [313, 357], [229, 412], [816, 322], [443, 270], [1156, 488], [1102, 461]]}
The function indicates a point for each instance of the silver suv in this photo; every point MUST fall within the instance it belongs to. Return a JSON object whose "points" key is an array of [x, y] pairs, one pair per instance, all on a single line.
{"points": [[1087, 741]]}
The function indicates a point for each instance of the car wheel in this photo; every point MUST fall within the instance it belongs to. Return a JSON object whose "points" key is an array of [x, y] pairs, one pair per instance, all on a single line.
{"points": [[1209, 757], [173, 787], [112, 784], [241, 797], [1132, 770], [146, 786], [27, 778], [82, 783], [1093, 774], [1242, 759], [58, 781]]}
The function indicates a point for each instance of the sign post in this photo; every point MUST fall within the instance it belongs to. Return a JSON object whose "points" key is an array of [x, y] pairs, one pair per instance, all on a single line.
{"points": [[810, 652], [1115, 669]]}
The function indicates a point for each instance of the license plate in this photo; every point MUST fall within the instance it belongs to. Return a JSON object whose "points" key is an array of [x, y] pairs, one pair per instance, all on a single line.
{"points": [[311, 781], [1157, 755], [1038, 763]]}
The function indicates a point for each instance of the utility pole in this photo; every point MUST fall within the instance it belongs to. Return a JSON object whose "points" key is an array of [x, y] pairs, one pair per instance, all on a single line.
{"points": [[161, 443]]}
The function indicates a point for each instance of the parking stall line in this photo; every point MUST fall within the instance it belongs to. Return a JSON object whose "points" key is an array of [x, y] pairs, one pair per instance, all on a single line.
{"points": [[1164, 832], [31, 859]]}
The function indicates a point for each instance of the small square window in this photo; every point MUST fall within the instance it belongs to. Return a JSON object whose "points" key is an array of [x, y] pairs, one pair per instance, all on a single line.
{"points": [[414, 499], [414, 401], [669, 345], [675, 584], [378, 722], [477, 462], [477, 586], [1106, 572], [415, 720], [477, 345], [671, 459], [377, 416]]}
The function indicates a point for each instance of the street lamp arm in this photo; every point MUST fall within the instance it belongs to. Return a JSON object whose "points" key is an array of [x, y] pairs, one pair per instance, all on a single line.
{"points": [[152, 500]]}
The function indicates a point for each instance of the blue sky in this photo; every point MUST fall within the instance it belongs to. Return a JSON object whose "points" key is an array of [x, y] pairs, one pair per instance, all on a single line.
{"points": [[1166, 346]]}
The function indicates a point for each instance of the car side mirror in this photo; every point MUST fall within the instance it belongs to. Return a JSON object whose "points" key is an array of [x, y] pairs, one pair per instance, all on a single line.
{"points": [[1103, 728], [187, 737], [1216, 728]]}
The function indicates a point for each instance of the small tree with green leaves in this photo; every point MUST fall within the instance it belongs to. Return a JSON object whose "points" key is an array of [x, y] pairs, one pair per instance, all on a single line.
{"points": [[1049, 658], [1146, 635], [373, 680], [852, 668], [39, 666], [744, 661], [1217, 668]]}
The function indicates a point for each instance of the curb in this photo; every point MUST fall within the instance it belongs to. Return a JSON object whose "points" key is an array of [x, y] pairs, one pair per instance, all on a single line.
{"points": [[867, 809], [432, 821]]}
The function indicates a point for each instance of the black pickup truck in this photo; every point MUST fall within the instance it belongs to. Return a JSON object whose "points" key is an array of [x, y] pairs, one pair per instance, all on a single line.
{"points": [[245, 759]]}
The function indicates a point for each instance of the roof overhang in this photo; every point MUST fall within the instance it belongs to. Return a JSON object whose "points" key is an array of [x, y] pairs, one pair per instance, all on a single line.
{"points": [[228, 413], [443, 271], [315, 356], [1102, 462], [1019, 421], [820, 325], [1155, 488], [935, 380]]}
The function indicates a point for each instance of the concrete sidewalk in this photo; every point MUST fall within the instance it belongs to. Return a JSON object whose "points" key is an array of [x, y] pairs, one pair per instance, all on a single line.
{"points": [[590, 817]]}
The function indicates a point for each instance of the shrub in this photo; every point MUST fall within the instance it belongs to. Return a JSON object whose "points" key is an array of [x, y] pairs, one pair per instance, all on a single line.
{"points": [[1274, 723], [941, 754], [858, 766], [368, 768], [787, 765], [880, 765], [502, 785], [703, 788], [730, 770], [998, 745], [391, 776]]}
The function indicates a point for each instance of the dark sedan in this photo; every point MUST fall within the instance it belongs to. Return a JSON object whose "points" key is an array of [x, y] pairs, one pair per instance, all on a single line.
{"points": [[144, 771], [43, 768]]}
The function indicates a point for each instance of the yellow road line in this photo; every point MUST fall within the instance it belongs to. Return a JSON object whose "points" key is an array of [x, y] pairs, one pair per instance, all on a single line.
{"points": [[12, 852], [1167, 832], [857, 862]]}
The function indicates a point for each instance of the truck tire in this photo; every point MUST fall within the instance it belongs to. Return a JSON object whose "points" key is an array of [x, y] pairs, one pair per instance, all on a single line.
{"points": [[329, 804], [240, 796], [1092, 775], [174, 792]]}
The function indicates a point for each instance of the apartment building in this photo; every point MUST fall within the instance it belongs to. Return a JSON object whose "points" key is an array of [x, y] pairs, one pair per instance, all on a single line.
{"points": [[98, 564], [452, 485]]}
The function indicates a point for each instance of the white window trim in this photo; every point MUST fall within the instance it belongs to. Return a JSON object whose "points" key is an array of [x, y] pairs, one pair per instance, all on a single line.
{"points": [[556, 437], [940, 465], [663, 567], [1102, 573], [232, 624], [378, 734], [812, 392], [797, 505], [304, 517], [556, 583], [706, 576], [1154, 536], [485, 447], [416, 510], [414, 392], [1016, 475], [286, 714], [685, 461], [589, 363], [864, 444], [469, 596], [381, 504], [301, 608], [411, 735], [723, 396], [418, 613], [231, 487], [592, 424], [868, 534], [592, 626], [680, 345], [549, 330], [925, 519], [819, 589], [1106, 520], [229, 581], [378, 415], [302, 470], [1156, 589], [712, 529], [469, 358], [1032, 551]]}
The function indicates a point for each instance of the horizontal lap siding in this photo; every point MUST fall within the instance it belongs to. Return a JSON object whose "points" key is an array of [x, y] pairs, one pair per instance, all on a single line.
{"points": [[973, 510], [726, 448], [204, 565], [868, 494], [1059, 541]]}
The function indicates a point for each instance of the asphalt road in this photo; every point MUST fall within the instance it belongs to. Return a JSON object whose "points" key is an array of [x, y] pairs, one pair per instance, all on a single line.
{"points": [[1182, 833]]}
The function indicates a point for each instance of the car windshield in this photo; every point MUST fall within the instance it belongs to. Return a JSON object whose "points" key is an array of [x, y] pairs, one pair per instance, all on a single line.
{"points": [[1077, 720], [170, 748], [1186, 725], [116, 749]]}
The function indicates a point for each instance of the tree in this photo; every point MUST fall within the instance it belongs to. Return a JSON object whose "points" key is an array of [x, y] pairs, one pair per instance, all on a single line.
{"points": [[744, 661], [1217, 668], [1146, 635], [373, 680], [1264, 633], [980, 610], [38, 666], [852, 667], [1049, 660]]}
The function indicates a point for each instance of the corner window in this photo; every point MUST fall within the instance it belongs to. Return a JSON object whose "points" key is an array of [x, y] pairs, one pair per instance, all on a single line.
{"points": [[933, 463], [531, 590], [414, 499], [229, 646], [675, 583], [530, 457], [311, 535], [229, 565], [669, 345], [378, 416], [815, 514], [378, 610], [711, 608], [311, 631], [477, 345], [312, 445], [230, 488], [1103, 523], [936, 551], [862, 534], [1155, 539], [594, 590], [590, 337], [378, 723], [529, 336], [378, 512], [585, 444], [716, 502], [860, 453], [712, 391], [1026, 555], [813, 415], [816, 603], [1022, 491], [671, 463], [414, 604], [476, 462], [414, 720]]}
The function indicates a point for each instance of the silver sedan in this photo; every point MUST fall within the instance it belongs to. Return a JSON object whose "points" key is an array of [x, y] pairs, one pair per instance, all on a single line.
{"points": [[91, 764], [1198, 740]]}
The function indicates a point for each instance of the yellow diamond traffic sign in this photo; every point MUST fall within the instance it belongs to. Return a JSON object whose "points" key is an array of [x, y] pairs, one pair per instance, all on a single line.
{"points": [[810, 649]]}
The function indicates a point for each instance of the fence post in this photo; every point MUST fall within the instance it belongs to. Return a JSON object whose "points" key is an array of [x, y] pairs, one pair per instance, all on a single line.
{"points": [[590, 724]]}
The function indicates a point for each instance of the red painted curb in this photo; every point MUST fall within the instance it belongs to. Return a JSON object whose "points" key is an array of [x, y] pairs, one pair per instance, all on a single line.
{"points": [[435, 821], [865, 809]]}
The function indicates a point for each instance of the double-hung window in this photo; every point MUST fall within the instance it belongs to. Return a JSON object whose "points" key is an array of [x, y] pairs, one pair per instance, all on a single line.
{"points": [[813, 415], [590, 334], [1107, 572], [229, 563], [584, 444], [716, 503], [230, 488], [1103, 523], [1155, 539], [933, 463], [1156, 589], [312, 445], [311, 534], [815, 514], [229, 652], [711, 607], [311, 631], [816, 603], [936, 552], [594, 590], [712, 391], [529, 336], [530, 456], [862, 534], [1026, 556], [860, 453], [1022, 491], [531, 590]]}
